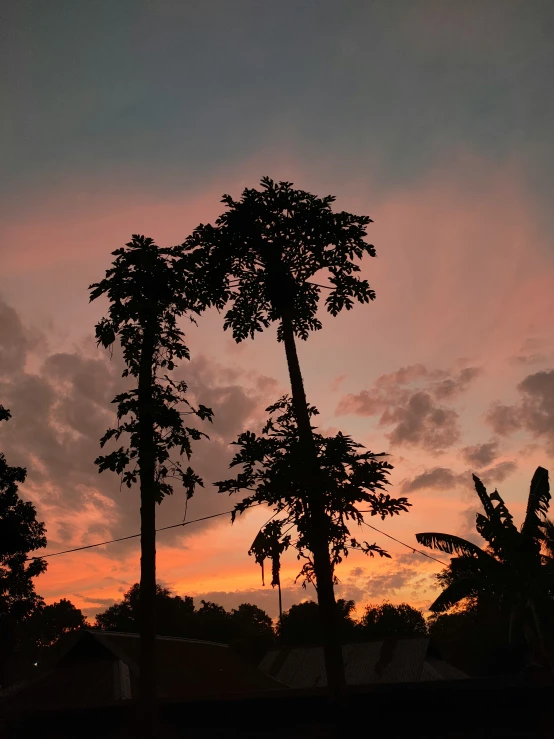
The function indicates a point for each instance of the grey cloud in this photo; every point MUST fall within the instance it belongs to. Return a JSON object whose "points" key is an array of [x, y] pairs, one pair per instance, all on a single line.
{"points": [[443, 478], [420, 423], [409, 558], [504, 419], [530, 353], [467, 529], [481, 455], [106, 602], [537, 407], [436, 478], [528, 359], [451, 386], [13, 340], [416, 414], [59, 415], [533, 413], [381, 586], [16, 340], [499, 472]]}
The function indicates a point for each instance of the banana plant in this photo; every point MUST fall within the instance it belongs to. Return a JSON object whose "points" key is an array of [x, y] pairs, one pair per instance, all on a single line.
{"points": [[516, 566]]}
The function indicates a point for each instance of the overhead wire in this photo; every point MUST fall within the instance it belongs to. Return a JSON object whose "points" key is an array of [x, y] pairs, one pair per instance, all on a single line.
{"points": [[217, 515], [415, 551], [134, 536]]}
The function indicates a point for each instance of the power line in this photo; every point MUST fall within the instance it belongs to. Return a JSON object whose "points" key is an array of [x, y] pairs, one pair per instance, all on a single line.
{"points": [[134, 536], [415, 551], [217, 515]]}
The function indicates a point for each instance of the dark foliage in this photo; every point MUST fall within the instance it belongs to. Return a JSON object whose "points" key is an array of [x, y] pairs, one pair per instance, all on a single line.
{"points": [[386, 620], [263, 251], [149, 290], [50, 622], [20, 534], [301, 624], [261, 256], [247, 628], [473, 638], [516, 569], [352, 480], [173, 614]]}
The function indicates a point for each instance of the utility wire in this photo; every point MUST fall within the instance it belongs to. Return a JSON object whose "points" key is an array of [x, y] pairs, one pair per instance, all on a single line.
{"points": [[415, 551], [217, 515], [134, 536]]}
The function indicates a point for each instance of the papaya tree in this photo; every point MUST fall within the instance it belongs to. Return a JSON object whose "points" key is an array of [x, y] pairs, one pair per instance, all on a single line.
{"points": [[352, 482], [259, 259], [146, 291], [515, 568]]}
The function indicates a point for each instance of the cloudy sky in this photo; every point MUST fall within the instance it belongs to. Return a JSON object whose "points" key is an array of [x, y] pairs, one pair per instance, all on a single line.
{"points": [[434, 118]]}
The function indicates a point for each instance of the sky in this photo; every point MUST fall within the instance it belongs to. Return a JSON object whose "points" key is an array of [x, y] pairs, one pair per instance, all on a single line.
{"points": [[434, 118]]}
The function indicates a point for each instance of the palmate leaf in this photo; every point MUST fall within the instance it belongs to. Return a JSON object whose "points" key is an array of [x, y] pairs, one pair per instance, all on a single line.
{"points": [[497, 526], [351, 483], [481, 491], [263, 251], [538, 503], [149, 288]]}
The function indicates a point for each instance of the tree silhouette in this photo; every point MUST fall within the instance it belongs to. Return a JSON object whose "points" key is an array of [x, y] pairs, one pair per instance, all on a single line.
{"points": [[386, 620], [301, 624], [251, 631], [271, 472], [473, 637], [20, 534], [260, 256], [48, 623], [148, 289], [247, 628], [516, 567], [173, 614]]}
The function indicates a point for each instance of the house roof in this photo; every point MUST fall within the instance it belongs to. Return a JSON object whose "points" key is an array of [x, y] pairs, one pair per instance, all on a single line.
{"points": [[98, 667], [365, 663]]}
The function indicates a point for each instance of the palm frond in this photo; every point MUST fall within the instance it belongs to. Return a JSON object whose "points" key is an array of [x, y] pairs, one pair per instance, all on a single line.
{"points": [[483, 496], [451, 544], [538, 503], [501, 511], [455, 592], [496, 526]]}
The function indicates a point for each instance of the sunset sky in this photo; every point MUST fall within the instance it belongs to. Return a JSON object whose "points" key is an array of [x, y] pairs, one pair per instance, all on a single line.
{"points": [[434, 118]]}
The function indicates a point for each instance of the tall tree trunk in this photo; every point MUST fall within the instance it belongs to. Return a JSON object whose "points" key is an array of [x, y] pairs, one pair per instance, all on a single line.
{"points": [[334, 664], [147, 463]]}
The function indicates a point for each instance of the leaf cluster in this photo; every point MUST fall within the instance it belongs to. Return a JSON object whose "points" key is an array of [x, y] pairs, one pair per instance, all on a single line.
{"points": [[150, 288], [272, 465], [20, 533], [263, 250], [515, 566]]}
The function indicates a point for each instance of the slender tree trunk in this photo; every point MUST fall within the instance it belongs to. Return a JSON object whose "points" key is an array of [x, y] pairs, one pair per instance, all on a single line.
{"points": [[147, 659], [334, 665], [280, 601]]}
